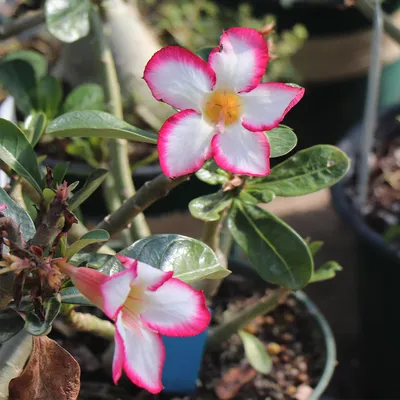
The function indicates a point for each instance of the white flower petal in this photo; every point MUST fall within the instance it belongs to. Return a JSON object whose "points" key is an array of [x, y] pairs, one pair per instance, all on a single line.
{"points": [[144, 353], [179, 77], [241, 151], [176, 309], [266, 106], [241, 59], [184, 143]]}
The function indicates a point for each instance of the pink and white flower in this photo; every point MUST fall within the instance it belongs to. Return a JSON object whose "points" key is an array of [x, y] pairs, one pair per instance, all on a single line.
{"points": [[144, 302], [224, 108], [3, 207]]}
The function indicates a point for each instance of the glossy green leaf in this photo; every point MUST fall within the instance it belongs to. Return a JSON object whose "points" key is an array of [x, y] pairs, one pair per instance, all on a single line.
{"points": [[254, 196], [67, 20], [18, 214], [190, 259], [59, 172], [306, 172], [81, 148], [256, 353], [37, 61], [38, 324], [35, 125], [48, 96], [282, 140], [212, 174], [11, 323], [6, 289], [85, 97], [275, 250], [18, 78], [209, 207], [93, 181], [204, 53], [326, 271], [99, 124], [17, 153], [94, 236]]}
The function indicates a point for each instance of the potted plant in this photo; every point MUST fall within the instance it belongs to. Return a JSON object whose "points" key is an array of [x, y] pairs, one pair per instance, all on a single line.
{"points": [[151, 297]]}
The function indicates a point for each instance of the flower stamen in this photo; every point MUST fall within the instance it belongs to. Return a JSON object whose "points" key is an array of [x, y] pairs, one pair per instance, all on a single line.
{"points": [[223, 107]]}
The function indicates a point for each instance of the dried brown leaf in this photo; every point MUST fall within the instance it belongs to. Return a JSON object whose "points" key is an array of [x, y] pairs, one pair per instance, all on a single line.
{"points": [[233, 380], [51, 373]]}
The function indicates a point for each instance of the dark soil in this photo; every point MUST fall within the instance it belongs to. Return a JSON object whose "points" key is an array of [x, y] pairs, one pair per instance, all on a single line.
{"points": [[291, 336], [382, 212]]}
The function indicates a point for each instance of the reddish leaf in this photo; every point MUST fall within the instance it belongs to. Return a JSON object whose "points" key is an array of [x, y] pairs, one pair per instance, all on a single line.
{"points": [[51, 373]]}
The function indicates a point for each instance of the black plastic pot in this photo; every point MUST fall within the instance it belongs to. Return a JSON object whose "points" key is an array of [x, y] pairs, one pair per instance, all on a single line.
{"points": [[177, 200], [378, 272], [322, 327]]}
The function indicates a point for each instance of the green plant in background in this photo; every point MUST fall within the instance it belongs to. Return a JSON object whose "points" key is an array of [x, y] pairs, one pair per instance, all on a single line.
{"points": [[39, 251]]}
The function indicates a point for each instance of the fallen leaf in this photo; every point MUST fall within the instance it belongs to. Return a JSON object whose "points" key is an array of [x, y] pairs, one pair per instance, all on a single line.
{"points": [[51, 373]]}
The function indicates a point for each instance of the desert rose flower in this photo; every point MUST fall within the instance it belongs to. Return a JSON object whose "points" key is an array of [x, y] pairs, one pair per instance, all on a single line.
{"points": [[144, 302], [224, 108], [3, 207]]}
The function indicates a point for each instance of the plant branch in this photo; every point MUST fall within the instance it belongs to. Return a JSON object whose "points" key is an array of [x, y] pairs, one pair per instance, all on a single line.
{"points": [[368, 9], [263, 306], [144, 197], [22, 24], [120, 167], [83, 322], [13, 232]]}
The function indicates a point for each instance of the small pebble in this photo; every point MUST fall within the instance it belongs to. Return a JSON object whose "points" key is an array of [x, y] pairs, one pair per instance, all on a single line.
{"points": [[289, 317], [302, 366], [291, 390], [302, 377], [287, 337], [273, 348], [269, 320]]}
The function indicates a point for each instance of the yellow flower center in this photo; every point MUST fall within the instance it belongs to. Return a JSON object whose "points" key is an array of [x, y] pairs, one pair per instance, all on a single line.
{"points": [[222, 106]]}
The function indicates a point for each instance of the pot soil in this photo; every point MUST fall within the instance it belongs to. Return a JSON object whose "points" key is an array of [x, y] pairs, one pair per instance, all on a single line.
{"points": [[296, 334], [378, 266]]}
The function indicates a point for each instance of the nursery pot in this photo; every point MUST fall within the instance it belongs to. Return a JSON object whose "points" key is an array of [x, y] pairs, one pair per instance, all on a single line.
{"points": [[333, 65], [177, 200], [242, 272], [378, 272]]}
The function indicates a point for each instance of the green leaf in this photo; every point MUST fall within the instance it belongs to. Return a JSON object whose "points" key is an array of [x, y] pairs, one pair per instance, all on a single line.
{"points": [[37, 61], [85, 97], [254, 196], [190, 259], [11, 323], [59, 172], [67, 20], [18, 214], [306, 172], [6, 289], [93, 181], [37, 324], [282, 140], [17, 153], [212, 174], [209, 207], [326, 271], [48, 96], [18, 78], [256, 353], [204, 53], [315, 247], [81, 148], [276, 251], [99, 124], [35, 125], [94, 236]]}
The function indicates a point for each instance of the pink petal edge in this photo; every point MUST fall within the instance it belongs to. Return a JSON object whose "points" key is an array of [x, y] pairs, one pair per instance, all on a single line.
{"points": [[256, 41], [119, 354], [162, 144], [224, 163], [282, 86], [175, 53], [196, 325]]}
